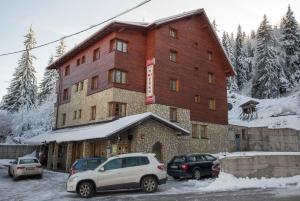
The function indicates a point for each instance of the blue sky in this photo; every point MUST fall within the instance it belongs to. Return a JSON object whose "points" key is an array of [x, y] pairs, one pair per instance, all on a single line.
{"points": [[56, 18]]}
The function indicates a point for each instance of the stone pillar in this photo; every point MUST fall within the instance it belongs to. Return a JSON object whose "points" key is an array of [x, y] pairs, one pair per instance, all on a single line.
{"points": [[69, 156], [55, 156], [85, 149], [50, 156]]}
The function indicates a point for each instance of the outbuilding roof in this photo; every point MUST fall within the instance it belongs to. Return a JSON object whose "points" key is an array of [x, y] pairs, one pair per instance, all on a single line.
{"points": [[103, 130]]}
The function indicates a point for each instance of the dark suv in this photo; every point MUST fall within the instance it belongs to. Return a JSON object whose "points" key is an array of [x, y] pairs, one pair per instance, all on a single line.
{"points": [[191, 166], [85, 164]]}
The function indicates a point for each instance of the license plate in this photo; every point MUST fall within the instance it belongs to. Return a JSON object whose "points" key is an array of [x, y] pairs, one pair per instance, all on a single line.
{"points": [[174, 166], [30, 168]]}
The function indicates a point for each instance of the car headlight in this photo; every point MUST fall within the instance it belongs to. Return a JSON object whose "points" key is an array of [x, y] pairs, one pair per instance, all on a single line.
{"points": [[71, 179]]}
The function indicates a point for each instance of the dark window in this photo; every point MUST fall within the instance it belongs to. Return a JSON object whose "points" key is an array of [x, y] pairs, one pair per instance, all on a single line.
{"points": [[79, 114], [210, 55], [75, 114], [94, 84], [96, 54], [196, 132], [117, 109], [173, 55], [118, 76], [83, 59], [197, 99], [78, 62], [212, 104], [174, 85], [93, 163], [211, 78], [173, 33], [93, 112], [27, 161], [210, 158], [179, 159], [200, 158], [64, 117], [67, 70], [203, 130], [173, 114], [113, 164], [192, 159], [135, 161], [76, 87], [66, 94]]}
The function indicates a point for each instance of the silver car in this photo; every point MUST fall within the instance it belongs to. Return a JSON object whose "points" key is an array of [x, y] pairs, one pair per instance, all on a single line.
{"points": [[24, 167]]}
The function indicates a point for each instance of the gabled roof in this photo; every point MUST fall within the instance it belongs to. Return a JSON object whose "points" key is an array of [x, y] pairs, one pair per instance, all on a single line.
{"points": [[144, 26], [103, 130]]}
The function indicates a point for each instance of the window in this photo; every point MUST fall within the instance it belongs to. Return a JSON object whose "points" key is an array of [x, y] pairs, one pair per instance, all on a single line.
{"points": [[200, 158], [75, 114], [96, 54], [209, 54], [174, 85], [135, 161], [81, 86], [173, 33], [78, 62], [118, 76], [197, 99], [66, 94], [113, 164], [211, 78], [119, 45], [82, 59], [210, 158], [76, 87], [212, 104], [173, 55], [173, 114], [94, 83], [93, 112], [203, 131], [117, 109], [79, 114], [196, 132], [67, 70], [64, 118]]}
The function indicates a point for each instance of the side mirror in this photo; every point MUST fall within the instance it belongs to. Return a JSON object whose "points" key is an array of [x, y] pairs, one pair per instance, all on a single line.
{"points": [[102, 169]]}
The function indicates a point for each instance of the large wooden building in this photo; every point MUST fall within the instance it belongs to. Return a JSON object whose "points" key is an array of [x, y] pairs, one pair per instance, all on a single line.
{"points": [[172, 69]]}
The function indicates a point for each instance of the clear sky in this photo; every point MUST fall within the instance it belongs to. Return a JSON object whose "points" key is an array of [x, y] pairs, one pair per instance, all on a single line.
{"points": [[53, 19]]}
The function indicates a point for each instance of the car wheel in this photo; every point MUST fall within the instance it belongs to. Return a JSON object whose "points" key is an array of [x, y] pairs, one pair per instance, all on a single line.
{"points": [[9, 173], [86, 189], [149, 184], [196, 174]]}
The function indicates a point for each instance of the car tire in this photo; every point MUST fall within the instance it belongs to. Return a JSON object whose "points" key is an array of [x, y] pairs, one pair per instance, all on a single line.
{"points": [[149, 184], [86, 189], [9, 173], [196, 174]]}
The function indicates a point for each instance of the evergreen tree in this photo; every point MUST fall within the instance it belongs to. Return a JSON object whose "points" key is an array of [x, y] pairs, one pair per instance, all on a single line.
{"points": [[61, 48], [267, 68], [48, 83], [240, 59], [22, 91], [291, 45], [215, 26]]}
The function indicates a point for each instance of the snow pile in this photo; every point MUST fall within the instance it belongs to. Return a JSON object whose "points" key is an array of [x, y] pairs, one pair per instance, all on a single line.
{"points": [[272, 113], [226, 182], [252, 153]]}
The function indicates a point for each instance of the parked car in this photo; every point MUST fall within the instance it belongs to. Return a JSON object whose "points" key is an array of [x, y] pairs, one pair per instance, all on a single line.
{"points": [[25, 167], [85, 164], [191, 166], [127, 171]]}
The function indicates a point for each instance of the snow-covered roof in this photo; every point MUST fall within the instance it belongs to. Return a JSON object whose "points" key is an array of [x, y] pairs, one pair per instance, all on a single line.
{"points": [[102, 130]]}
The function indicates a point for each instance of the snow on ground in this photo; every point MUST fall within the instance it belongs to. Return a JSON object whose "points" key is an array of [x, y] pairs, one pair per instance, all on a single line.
{"points": [[265, 109], [251, 153]]}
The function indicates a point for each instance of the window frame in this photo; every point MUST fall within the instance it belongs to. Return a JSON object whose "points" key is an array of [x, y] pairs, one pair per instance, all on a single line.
{"points": [[94, 81], [173, 56], [204, 134], [114, 79], [197, 99], [65, 94], [93, 113], [96, 54], [78, 62], [212, 104], [83, 59], [79, 114], [173, 110], [196, 132], [211, 78], [112, 109], [172, 81], [173, 33], [75, 114], [67, 70]]}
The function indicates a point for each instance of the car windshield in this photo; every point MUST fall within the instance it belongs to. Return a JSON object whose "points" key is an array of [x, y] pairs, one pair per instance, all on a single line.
{"points": [[179, 159], [28, 160]]}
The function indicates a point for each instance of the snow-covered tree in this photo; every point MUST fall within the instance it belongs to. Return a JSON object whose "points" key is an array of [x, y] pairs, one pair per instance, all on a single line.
{"points": [[267, 68], [215, 26], [291, 45], [60, 49], [22, 92], [48, 83], [240, 59]]}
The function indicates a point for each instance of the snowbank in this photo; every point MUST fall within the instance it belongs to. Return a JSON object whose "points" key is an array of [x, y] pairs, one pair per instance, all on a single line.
{"points": [[252, 153]]}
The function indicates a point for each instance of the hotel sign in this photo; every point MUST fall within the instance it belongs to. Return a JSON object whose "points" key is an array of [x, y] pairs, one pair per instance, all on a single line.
{"points": [[150, 98]]}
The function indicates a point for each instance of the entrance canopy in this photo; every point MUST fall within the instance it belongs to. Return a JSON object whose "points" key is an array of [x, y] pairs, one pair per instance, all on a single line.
{"points": [[102, 130]]}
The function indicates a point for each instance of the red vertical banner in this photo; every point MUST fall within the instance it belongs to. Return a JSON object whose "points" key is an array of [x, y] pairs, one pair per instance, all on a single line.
{"points": [[150, 98]]}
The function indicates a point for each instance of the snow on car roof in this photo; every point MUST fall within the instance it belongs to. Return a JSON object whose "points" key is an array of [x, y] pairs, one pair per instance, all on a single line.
{"points": [[102, 130]]}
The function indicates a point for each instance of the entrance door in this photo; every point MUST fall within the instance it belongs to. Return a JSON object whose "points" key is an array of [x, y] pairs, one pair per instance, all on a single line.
{"points": [[237, 142], [156, 149]]}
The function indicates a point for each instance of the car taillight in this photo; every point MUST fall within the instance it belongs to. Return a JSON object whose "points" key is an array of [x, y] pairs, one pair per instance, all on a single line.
{"points": [[20, 167], [185, 167], [38, 166], [161, 166]]}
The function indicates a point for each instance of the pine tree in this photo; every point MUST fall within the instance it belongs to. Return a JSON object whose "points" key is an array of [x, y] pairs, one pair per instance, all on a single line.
{"points": [[215, 26], [22, 91], [60, 49], [48, 83], [240, 59], [267, 68], [291, 45]]}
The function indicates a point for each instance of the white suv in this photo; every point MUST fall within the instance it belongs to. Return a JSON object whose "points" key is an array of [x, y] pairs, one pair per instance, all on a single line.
{"points": [[135, 170]]}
